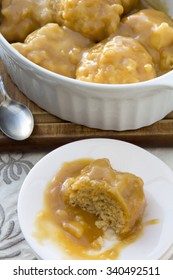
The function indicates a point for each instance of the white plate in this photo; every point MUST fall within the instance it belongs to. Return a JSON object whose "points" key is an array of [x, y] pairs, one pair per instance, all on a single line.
{"points": [[156, 241]]}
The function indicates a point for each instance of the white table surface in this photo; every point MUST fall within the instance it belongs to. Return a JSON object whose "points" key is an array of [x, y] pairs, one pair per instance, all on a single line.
{"points": [[14, 167]]}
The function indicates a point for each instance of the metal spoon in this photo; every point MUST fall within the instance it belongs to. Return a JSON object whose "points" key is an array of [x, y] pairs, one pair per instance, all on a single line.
{"points": [[16, 120]]}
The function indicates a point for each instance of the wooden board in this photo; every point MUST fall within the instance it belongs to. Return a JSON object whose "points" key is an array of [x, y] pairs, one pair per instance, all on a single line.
{"points": [[50, 132]]}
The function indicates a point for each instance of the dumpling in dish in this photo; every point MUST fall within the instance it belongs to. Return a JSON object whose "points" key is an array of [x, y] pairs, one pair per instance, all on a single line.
{"points": [[94, 19], [154, 29], [55, 48], [121, 60], [20, 18]]}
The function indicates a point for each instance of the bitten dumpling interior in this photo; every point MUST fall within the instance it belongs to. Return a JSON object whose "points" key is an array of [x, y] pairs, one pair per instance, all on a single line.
{"points": [[116, 198]]}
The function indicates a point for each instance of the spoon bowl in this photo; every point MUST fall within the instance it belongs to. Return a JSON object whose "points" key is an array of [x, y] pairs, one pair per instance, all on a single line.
{"points": [[16, 120]]}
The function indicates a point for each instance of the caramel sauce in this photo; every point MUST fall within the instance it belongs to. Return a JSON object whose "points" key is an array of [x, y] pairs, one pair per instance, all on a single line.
{"points": [[151, 222], [65, 34], [73, 229]]}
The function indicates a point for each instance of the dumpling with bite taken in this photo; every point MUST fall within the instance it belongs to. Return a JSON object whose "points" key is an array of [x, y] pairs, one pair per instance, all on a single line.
{"points": [[116, 198]]}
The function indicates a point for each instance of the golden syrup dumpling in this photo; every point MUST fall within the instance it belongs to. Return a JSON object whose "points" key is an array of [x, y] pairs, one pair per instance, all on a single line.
{"points": [[20, 18], [94, 19], [55, 48], [154, 29], [116, 198], [118, 61]]}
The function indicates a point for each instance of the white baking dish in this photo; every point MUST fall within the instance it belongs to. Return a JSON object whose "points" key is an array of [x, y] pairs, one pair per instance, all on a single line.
{"points": [[108, 107]]}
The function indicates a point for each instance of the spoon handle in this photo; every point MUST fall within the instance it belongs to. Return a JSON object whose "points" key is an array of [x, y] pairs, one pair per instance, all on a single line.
{"points": [[3, 90]]}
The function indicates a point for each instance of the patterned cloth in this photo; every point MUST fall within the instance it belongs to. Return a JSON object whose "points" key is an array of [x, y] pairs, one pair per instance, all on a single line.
{"points": [[13, 170], [14, 167]]}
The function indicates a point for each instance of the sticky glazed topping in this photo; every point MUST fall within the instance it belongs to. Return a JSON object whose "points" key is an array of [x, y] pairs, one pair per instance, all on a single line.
{"points": [[101, 41], [70, 220]]}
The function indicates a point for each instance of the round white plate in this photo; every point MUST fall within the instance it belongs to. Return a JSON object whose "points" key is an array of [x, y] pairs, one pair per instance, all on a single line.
{"points": [[157, 240]]}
